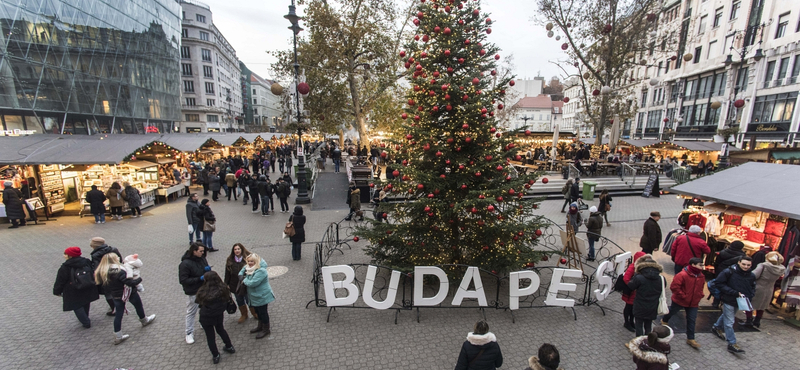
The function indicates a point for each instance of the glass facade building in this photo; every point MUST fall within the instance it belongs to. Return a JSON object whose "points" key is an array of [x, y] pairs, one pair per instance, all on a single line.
{"points": [[89, 66]]}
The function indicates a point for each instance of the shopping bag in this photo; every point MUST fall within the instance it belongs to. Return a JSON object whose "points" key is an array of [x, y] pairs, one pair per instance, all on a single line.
{"points": [[663, 307], [744, 303]]}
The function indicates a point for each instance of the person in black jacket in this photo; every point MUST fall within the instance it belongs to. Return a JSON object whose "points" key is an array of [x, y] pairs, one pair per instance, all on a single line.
{"points": [[264, 191], [651, 235], [480, 351], [282, 191], [76, 299], [252, 188], [575, 191], [113, 277], [193, 218], [213, 297], [299, 236], [207, 214], [190, 275], [648, 284], [732, 282], [12, 199], [96, 200], [729, 256], [100, 249]]}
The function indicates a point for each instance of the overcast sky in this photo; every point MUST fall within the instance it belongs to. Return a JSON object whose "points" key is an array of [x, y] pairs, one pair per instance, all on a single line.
{"points": [[255, 26]]}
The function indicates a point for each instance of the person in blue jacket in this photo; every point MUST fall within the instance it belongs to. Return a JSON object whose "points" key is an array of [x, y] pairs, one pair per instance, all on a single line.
{"points": [[259, 291]]}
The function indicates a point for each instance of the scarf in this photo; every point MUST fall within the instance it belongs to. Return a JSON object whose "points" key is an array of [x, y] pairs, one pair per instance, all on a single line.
{"points": [[238, 259], [250, 270], [573, 211], [693, 270]]}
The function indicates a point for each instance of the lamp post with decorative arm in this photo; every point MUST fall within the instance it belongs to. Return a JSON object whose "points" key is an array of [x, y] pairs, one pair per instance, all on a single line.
{"points": [[302, 186]]}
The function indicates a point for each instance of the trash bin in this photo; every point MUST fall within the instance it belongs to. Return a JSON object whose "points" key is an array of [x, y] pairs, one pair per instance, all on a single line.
{"points": [[588, 190]]}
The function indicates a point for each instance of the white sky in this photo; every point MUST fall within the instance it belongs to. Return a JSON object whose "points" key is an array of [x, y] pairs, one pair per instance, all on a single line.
{"points": [[255, 26]]}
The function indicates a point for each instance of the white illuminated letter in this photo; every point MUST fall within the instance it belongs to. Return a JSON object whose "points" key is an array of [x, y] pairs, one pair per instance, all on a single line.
{"points": [[603, 281], [619, 261], [390, 295], [556, 285], [419, 274], [513, 286], [330, 285], [472, 274]]}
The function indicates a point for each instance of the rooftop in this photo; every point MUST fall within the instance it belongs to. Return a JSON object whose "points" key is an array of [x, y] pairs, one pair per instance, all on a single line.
{"points": [[540, 101]]}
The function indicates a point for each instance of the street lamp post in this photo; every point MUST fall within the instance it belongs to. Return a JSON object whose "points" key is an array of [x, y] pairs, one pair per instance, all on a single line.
{"points": [[302, 186]]}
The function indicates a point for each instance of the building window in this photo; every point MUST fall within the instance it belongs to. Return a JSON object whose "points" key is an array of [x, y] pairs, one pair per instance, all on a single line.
{"points": [[688, 90], [192, 117], [212, 118], [783, 22], [697, 51], [211, 102], [203, 36], [782, 68], [770, 72], [186, 69], [719, 84], [188, 86], [208, 71], [735, 10], [795, 69], [255, 101], [741, 79], [254, 92], [658, 71], [201, 18], [717, 18], [209, 88], [702, 28], [712, 48], [184, 33], [774, 108], [185, 53], [644, 98], [206, 55], [190, 101]]}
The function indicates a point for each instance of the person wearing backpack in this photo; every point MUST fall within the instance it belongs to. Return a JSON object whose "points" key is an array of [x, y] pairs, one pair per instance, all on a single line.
{"points": [[565, 190], [75, 285]]}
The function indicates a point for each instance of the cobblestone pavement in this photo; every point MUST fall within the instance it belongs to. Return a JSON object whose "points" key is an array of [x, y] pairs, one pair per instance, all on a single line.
{"points": [[36, 334]]}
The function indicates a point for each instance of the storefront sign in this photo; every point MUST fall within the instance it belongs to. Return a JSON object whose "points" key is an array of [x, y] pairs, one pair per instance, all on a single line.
{"points": [[471, 276], [703, 129], [768, 127], [16, 132]]}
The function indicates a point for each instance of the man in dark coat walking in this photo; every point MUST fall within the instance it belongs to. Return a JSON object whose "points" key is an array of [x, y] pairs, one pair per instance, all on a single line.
{"points": [[96, 200], [575, 191], [193, 218], [190, 275], [12, 199], [651, 237], [734, 281], [76, 298]]}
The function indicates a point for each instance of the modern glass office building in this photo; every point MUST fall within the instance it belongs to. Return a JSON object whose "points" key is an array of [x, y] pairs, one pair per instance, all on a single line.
{"points": [[89, 66]]}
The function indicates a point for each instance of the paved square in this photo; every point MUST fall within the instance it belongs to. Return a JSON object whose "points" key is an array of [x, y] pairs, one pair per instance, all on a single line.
{"points": [[38, 335]]}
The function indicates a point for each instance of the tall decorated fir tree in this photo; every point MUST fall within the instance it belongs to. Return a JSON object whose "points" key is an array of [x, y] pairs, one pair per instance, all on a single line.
{"points": [[464, 202]]}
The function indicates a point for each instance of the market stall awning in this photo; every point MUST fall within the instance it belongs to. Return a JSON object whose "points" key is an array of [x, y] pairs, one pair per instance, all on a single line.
{"points": [[694, 146], [592, 140], [185, 142], [765, 187], [141, 164], [786, 155], [638, 143], [68, 149]]}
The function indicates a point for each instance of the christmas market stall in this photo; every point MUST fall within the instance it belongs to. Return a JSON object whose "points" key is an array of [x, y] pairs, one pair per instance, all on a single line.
{"points": [[752, 203], [691, 151]]}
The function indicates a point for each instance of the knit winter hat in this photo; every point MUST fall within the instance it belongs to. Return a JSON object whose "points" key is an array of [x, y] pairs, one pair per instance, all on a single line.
{"points": [[592, 209], [73, 252], [97, 242], [695, 229], [8, 184], [737, 246]]}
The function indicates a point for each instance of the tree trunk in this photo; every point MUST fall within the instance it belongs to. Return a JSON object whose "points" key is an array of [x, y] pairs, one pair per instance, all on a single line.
{"points": [[361, 124]]}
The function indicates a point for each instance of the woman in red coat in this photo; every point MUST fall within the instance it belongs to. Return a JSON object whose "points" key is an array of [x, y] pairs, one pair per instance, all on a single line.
{"points": [[628, 298]]}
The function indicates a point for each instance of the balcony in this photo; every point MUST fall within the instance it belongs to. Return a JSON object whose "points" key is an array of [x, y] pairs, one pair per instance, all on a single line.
{"points": [[202, 108]]}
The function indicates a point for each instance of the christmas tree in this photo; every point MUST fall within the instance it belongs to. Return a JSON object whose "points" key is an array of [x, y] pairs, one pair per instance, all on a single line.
{"points": [[464, 201]]}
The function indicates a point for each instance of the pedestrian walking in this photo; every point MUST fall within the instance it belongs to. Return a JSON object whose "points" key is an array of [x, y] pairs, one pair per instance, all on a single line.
{"points": [[96, 200], [230, 182], [574, 217], [281, 163], [480, 351], [336, 155], [766, 275], [134, 198], [355, 205], [651, 236], [190, 275], [264, 189], [99, 250], [259, 292], [733, 282], [112, 277], [75, 285], [202, 179], [629, 296], [186, 180], [575, 191], [687, 247], [252, 189], [235, 263], [548, 359], [244, 182], [566, 190], [650, 352], [687, 291], [116, 200], [729, 256], [283, 192], [12, 199], [212, 298], [299, 221], [605, 205], [648, 284], [193, 217], [594, 226], [206, 215], [214, 185]]}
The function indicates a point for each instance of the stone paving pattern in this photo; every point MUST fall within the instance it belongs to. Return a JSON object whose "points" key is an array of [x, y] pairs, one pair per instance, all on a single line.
{"points": [[36, 334]]}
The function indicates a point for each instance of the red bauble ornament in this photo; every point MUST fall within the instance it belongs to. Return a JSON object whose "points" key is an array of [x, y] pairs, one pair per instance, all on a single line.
{"points": [[439, 154], [475, 81], [490, 208], [499, 168], [436, 29], [466, 42], [416, 118], [447, 53], [492, 130], [482, 52], [538, 232], [449, 70], [476, 12], [448, 107], [383, 154], [420, 186], [483, 111], [388, 186], [510, 83], [545, 180], [596, 92], [396, 173], [499, 199], [478, 174], [416, 23], [303, 88], [497, 57], [500, 106], [738, 103], [356, 239], [409, 137], [402, 54], [432, 93], [465, 126], [474, 210], [563, 261], [564, 46], [420, 15], [430, 195], [486, 248], [372, 185], [481, 223], [468, 140], [418, 67], [566, 99], [545, 258], [464, 187], [446, 31], [389, 232], [405, 116], [465, 98], [488, 31]]}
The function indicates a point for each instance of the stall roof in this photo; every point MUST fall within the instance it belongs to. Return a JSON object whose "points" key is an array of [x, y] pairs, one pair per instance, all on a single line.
{"points": [[592, 140], [638, 143], [141, 164], [766, 187], [67, 149], [695, 146], [185, 142]]}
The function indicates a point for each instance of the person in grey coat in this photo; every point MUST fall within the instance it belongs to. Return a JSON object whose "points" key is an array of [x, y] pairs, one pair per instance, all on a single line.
{"points": [[12, 199], [193, 217], [134, 199], [214, 185]]}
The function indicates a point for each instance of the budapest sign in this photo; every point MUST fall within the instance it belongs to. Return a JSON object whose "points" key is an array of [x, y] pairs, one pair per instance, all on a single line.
{"points": [[516, 290]]}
